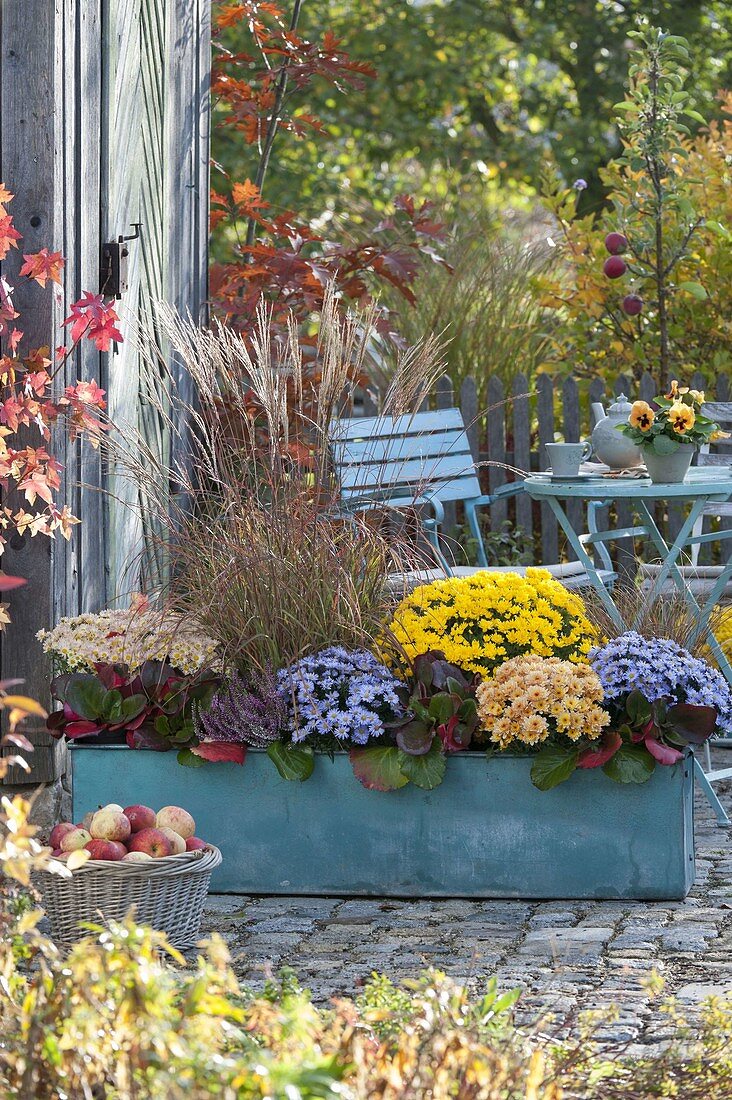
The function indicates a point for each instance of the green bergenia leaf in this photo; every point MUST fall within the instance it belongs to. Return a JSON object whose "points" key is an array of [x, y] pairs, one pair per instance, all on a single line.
{"points": [[426, 771], [293, 762], [552, 766], [378, 767], [631, 764]]}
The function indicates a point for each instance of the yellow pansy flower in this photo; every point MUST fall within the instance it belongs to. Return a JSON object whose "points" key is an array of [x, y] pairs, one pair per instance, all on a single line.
{"points": [[681, 418], [641, 416]]}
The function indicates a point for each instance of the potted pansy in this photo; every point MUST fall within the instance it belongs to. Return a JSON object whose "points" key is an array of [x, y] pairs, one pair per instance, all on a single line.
{"points": [[669, 430]]}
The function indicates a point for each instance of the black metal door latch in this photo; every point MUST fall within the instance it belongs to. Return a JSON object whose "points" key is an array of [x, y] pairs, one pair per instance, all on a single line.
{"points": [[115, 260]]}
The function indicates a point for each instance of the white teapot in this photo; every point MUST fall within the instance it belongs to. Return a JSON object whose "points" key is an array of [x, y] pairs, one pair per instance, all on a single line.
{"points": [[608, 444]]}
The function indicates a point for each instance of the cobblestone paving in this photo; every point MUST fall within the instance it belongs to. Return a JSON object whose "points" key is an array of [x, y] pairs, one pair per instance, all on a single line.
{"points": [[567, 956]]}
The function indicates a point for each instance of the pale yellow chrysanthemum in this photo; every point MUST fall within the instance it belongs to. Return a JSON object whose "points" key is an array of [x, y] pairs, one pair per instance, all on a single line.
{"points": [[530, 698], [128, 637]]}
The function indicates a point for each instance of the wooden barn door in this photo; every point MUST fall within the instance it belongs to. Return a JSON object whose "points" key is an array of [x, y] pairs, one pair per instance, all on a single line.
{"points": [[155, 176], [126, 142]]}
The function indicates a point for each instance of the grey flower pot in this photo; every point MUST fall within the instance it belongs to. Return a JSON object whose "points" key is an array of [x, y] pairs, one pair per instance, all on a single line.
{"points": [[668, 469]]}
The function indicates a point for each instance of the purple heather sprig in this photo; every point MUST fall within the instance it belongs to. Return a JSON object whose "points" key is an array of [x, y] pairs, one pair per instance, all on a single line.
{"points": [[247, 710], [661, 669], [341, 694]]}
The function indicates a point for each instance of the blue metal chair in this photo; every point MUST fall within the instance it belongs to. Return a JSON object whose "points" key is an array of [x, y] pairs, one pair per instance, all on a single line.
{"points": [[423, 460]]}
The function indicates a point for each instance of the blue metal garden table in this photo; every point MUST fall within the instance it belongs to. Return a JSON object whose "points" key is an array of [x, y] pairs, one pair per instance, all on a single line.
{"points": [[703, 486]]}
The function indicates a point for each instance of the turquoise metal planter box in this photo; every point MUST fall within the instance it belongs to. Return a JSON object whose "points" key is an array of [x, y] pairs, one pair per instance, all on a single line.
{"points": [[486, 832]]}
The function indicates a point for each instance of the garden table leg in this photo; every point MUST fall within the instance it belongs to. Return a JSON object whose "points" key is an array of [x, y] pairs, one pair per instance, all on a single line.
{"points": [[721, 583], [703, 780], [671, 554], [583, 556], [669, 569]]}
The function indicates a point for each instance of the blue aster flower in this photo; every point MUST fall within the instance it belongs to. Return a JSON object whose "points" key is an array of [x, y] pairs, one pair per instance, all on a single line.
{"points": [[661, 669], [341, 694]]}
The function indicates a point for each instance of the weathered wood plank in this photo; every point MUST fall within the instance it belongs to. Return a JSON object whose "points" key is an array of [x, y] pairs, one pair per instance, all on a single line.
{"points": [[28, 166], [521, 431], [545, 416], [571, 419], [624, 548], [469, 409], [444, 400], [496, 432]]}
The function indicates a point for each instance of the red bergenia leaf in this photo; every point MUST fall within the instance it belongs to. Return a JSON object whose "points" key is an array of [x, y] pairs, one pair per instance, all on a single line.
{"points": [[43, 266], [220, 751], [664, 754], [596, 757]]}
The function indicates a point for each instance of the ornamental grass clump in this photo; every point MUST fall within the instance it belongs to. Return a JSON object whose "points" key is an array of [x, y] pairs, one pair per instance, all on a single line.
{"points": [[258, 550], [530, 699], [479, 622]]}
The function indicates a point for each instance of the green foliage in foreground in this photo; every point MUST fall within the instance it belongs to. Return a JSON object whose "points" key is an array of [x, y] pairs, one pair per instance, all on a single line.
{"points": [[119, 1021], [124, 1018]]}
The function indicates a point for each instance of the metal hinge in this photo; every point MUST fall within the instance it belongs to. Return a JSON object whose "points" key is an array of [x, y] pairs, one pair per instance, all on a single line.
{"points": [[115, 258]]}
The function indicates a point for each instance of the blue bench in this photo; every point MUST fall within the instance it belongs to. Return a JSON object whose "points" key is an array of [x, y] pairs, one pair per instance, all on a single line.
{"points": [[423, 461]]}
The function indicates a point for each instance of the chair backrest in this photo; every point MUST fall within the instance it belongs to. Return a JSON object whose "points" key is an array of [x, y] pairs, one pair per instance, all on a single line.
{"points": [[397, 458], [721, 413]]}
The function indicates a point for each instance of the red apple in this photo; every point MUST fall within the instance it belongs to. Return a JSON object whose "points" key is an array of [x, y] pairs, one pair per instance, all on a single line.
{"points": [[632, 304], [56, 853], [195, 844], [110, 850], [75, 838], [152, 841], [110, 825], [616, 243], [140, 817], [614, 267], [58, 832], [177, 819]]}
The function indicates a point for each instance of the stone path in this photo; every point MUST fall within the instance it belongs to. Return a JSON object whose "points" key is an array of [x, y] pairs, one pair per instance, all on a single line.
{"points": [[566, 956]]}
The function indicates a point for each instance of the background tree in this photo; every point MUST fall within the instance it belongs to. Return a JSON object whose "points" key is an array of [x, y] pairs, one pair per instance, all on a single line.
{"points": [[470, 96]]}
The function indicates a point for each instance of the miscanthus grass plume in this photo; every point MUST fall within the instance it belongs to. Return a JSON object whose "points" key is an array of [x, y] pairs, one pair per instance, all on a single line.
{"points": [[254, 542]]}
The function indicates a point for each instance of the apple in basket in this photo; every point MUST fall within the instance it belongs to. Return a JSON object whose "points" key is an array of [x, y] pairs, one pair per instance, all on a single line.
{"points": [[58, 832], [195, 844], [140, 817], [136, 857], [110, 824], [177, 843], [177, 819], [110, 850], [75, 838], [153, 842]]}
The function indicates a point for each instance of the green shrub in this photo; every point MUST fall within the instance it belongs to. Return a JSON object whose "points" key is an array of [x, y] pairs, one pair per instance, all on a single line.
{"points": [[123, 1018]]}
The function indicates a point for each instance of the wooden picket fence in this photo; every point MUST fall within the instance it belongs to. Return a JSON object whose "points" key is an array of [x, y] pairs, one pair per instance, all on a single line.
{"points": [[510, 434]]}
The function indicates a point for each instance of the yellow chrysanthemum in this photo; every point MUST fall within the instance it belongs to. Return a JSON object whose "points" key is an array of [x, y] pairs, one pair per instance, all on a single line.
{"points": [[641, 416], [681, 417], [565, 699], [478, 622]]}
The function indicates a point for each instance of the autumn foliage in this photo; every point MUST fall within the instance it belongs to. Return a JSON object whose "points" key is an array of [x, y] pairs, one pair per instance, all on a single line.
{"points": [[29, 411], [278, 256]]}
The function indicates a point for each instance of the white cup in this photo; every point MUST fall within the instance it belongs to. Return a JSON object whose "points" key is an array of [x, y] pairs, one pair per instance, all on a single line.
{"points": [[565, 458]]}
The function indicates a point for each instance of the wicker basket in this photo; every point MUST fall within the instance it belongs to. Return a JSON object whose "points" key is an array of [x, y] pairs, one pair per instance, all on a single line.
{"points": [[167, 893]]}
